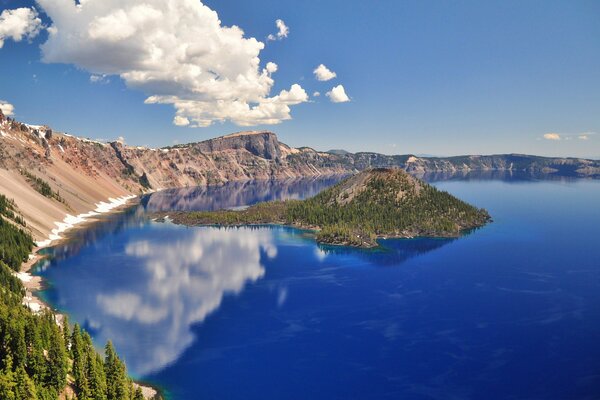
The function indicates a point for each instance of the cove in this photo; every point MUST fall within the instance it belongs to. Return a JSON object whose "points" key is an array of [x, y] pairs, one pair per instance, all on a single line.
{"points": [[510, 310]]}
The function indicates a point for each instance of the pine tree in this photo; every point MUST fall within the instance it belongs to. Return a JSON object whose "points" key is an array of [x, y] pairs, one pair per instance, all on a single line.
{"points": [[138, 394], [117, 381], [7, 380], [66, 333], [58, 362], [25, 388]]}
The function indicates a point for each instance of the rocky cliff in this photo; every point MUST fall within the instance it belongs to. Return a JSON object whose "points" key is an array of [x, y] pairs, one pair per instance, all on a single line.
{"points": [[50, 174]]}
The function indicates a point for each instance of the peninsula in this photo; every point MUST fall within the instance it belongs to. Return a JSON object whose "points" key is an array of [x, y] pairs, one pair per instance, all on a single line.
{"points": [[377, 203]]}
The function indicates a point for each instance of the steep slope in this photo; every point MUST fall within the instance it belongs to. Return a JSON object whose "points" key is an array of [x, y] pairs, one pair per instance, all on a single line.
{"points": [[51, 175], [81, 173]]}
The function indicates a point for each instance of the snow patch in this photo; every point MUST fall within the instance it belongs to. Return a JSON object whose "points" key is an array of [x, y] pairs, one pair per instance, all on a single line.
{"points": [[33, 305], [70, 221], [24, 276]]}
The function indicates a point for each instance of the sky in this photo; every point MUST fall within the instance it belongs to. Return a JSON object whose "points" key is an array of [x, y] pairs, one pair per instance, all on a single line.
{"points": [[396, 77]]}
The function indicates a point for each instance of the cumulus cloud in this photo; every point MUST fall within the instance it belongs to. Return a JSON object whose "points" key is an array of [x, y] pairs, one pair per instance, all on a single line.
{"points": [[19, 24], [282, 31], [271, 67], [7, 108], [181, 121], [101, 79], [552, 136], [316, 94], [338, 95], [322, 73], [177, 52]]}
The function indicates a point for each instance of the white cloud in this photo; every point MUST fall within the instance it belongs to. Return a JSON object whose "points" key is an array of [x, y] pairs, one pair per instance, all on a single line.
{"points": [[283, 31], [19, 24], [7, 108], [552, 136], [338, 95], [154, 46], [271, 67], [181, 121], [322, 73], [100, 79], [586, 135], [568, 136], [295, 95], [316, 94]]}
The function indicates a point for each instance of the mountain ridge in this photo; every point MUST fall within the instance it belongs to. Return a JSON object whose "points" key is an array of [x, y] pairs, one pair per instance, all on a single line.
{"points": [[83, 172]]}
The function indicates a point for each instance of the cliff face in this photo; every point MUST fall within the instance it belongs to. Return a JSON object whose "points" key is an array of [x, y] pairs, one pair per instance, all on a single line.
{"points": [[238, 157], [262, 144], [557, 166], [82, 172]]}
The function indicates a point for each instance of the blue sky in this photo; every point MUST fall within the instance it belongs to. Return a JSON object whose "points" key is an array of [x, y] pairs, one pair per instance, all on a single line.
{"points": [[425, 77]]}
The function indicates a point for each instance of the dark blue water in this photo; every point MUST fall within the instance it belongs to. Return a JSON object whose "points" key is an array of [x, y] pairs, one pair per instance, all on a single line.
{"points": [[510, 311]]}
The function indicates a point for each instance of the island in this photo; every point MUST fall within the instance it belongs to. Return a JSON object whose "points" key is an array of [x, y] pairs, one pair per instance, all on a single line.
{"points": [[373, 204]]}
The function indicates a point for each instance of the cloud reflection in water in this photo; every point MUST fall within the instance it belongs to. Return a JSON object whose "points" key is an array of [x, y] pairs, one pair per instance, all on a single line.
{"points": [[184, 280]]}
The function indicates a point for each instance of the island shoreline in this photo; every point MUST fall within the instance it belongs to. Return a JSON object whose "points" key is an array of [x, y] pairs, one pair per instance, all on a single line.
{"points": [[164, 217]]}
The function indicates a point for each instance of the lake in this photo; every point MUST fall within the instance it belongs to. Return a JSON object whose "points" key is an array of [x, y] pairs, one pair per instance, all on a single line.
{"points": [[509, 311]]}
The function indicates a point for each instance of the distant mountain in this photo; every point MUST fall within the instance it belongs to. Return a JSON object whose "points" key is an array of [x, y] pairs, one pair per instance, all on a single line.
{"points": [[50, 174], [338, 152]]}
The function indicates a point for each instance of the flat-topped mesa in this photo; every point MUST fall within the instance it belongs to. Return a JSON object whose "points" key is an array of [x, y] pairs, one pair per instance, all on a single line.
{"points": [[259, 143]]}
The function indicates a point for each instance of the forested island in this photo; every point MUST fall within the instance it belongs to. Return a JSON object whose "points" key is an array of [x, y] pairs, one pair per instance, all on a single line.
{"points": [[378, 203]]}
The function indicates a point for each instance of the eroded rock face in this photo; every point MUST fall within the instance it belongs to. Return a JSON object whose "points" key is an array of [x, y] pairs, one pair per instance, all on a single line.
{"points": [[85, 172], [262, 144], [241, 156]]}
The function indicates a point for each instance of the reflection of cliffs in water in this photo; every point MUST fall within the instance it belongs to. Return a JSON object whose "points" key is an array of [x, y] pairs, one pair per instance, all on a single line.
{"points": [[108, 224], [235, 194], [392, 251]]}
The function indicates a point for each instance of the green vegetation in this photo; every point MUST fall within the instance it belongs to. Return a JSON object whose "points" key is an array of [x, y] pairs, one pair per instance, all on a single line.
{"points": [[15, 244], [42, 187], [375, 203], [8, 209], [39, 358]]}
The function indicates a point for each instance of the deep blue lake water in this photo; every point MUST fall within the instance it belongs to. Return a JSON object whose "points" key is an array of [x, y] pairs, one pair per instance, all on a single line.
{"points": [[510, 311]]}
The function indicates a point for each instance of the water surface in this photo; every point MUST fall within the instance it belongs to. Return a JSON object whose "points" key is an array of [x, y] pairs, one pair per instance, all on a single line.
{"points": [[511, 310]]}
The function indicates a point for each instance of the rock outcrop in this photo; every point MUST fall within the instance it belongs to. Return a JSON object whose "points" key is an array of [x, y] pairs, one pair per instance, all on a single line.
{"points": [[85, 172]]}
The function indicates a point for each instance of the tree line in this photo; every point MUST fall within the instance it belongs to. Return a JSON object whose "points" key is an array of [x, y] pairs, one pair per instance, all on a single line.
{"points": [[39, 358]]}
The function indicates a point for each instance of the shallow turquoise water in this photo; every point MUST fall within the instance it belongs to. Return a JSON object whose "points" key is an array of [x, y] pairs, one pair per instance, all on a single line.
{"points": [[511, 310]]}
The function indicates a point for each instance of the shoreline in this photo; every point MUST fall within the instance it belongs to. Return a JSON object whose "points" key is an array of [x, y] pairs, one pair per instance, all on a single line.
{"points": [[35, 283], [165, 217]]}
